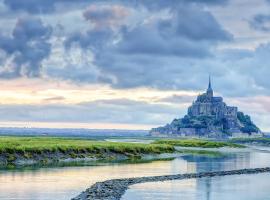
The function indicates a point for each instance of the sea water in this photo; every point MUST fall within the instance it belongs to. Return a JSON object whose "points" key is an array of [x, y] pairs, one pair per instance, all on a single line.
{"points": [[67, 182]]}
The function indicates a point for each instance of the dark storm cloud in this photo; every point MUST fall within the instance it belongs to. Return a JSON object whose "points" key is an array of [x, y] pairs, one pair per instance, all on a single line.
{"points": [[94, 39], [41, 6], [31, 28], [173, 4], [120, 52], [49, 6], [174, 46], [141, 55], [32, 6], [27, 46], [195, 24], [189, 33], [260, 22], [105, 19], [107, 14], [148, 40]]}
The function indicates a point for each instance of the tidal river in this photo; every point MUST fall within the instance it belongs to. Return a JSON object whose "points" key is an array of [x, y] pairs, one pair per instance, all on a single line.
{"points": [[67, 182]]}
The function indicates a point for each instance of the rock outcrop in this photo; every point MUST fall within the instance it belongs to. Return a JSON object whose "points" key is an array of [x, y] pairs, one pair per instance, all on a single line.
{"points": [[209, 116]]}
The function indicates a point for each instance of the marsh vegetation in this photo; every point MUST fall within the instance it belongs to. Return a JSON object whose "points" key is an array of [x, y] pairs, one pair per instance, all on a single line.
{"points": [[198, 143], [47, 150]]}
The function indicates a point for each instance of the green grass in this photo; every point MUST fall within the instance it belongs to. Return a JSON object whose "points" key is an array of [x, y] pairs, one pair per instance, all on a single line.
{"points": [[28, 145], [197, 143]]}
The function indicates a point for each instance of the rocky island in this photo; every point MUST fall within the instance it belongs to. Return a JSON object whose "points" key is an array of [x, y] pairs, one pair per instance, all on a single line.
{"points": [[209, 116]]}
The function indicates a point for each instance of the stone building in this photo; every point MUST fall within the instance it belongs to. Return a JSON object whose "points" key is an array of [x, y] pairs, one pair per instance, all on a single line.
{"points": [[209, 116]]}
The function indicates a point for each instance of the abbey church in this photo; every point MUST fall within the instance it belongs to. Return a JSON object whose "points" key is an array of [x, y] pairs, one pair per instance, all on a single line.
{"points": [[209, 116]]}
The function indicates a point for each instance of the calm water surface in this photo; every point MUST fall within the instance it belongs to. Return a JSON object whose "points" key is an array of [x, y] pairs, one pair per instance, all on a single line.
{"points": [[247, 187], [65, 183], [238, 187]]}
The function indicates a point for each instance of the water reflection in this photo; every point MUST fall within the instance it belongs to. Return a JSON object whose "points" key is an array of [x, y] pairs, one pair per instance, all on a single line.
{"points": [[233, 187], [227, 162], [65, 183], [248, 187]]}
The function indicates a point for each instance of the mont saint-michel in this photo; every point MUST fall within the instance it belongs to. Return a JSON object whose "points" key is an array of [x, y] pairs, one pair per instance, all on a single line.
{"points": [[210, 116]]}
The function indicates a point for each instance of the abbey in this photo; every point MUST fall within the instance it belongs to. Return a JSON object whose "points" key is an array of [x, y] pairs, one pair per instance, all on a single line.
{"points": [[209, 116]]}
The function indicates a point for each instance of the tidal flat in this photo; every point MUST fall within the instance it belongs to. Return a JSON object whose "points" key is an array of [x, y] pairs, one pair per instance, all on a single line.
{"points": [[47, 150], [19, 151], [57, 182], [67, 180]]}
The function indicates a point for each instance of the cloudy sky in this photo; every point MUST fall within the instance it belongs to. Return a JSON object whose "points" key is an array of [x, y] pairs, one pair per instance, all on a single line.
{"points": [[131, 64]]}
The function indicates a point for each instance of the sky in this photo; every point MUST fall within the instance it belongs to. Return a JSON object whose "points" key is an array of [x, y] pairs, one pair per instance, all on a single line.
{"points": [[133, 64]]}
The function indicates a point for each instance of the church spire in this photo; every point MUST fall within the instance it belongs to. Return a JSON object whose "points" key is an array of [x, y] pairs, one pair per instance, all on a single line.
{"points": [[209, 89], [209, 84]]}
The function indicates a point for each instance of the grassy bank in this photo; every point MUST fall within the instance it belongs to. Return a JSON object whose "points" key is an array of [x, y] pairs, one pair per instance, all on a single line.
{"points": [[16, 150], [198, 143], [50, 144]]}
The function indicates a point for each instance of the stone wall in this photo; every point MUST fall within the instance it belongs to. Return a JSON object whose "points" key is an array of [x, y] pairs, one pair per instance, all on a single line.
{"points": [[187, 131]]}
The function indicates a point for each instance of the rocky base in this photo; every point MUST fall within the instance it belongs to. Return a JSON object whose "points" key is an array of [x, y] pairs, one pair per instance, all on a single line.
{"points": [[115, 188]]}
